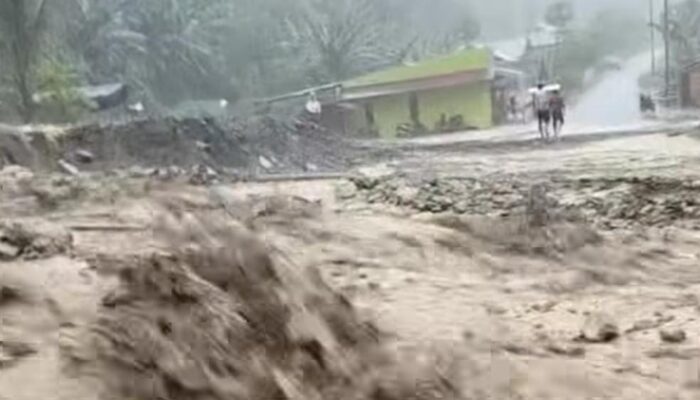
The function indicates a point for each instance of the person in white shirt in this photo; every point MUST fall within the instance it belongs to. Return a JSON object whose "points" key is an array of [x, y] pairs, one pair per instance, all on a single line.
{"points": [[540, 104]]}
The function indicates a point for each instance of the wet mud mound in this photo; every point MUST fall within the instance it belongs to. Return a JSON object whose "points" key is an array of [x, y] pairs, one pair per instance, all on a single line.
{"points": [[218, 317], [246, 145]]}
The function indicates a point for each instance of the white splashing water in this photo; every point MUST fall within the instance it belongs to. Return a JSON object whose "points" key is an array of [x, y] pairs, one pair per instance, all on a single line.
{"points": [[614, 101]]}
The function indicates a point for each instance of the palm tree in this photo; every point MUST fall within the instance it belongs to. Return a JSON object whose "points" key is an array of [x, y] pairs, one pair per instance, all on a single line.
{"points": [[162, 48]]}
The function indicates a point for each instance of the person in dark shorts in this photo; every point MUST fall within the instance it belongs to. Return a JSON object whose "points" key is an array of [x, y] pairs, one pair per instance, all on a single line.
{"points": [[540, 103], [557, 108]]}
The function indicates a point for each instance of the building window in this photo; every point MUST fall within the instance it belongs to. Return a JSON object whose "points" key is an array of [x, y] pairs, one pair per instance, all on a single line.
{"points": [[413, 107]]}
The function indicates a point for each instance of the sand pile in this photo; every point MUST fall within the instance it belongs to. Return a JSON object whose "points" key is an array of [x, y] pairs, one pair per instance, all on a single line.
{"points": [[218, 317]]}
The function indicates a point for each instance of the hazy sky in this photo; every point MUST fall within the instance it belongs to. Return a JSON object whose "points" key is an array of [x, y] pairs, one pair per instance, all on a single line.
{"points": [[503, 18]]}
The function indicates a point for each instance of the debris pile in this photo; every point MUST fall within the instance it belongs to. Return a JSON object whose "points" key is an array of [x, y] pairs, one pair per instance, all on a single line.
{"points": [[462, 196], [654, 201], [277, 146], [247, 145], [608, 203]]}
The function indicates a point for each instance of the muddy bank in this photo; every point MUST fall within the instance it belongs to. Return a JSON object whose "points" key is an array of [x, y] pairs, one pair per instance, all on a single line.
{"points": [[251, 145]]}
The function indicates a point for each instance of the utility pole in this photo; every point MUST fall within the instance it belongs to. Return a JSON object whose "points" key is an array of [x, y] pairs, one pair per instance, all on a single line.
{"points": [[652, 28], [667, 53]]}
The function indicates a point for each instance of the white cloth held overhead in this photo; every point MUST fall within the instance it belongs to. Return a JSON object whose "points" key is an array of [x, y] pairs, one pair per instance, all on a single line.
{"points": [[313, 106]]}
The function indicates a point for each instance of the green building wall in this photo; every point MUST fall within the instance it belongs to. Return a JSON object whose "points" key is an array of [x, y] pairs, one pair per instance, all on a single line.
{"points": [[472, 102]]}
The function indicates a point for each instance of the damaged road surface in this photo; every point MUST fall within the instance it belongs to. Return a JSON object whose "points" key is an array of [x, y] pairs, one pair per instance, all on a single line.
{"points": [[528, 272]]}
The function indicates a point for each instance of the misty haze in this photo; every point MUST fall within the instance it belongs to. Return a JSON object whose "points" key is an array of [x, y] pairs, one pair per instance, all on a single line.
{"points": [[349, 199]]}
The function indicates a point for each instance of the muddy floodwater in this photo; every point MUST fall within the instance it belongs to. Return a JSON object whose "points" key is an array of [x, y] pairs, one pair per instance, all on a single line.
{"points": [[499, 266]]}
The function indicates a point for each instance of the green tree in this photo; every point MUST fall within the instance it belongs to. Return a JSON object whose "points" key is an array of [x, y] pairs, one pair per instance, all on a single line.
{"points": [[23, 24], [61, 101], [340, 39], [164, 49]]}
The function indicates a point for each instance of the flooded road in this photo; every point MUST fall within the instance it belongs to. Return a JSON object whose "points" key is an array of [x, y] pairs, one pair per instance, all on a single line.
{"points": [[614, 101]]}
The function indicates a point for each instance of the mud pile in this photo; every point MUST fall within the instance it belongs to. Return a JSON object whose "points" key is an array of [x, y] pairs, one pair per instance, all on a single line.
{"points": [[609, 203], [218, 317], [246, 145]]}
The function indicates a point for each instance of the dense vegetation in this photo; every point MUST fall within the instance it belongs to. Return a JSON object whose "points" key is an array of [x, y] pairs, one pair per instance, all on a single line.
{"points": [[174, 50], [170, 51]]}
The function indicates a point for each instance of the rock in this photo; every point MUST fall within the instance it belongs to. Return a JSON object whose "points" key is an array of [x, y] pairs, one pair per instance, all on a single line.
{"points": [[365, 182], [567, 350], [311, 167], [8, 252], [461, 207], [407, 195], [203, 146], [68, 167], [672, 336], [203, 175], [84, 156], [345, 190], [599, 328], [265, 163], [544, 307], [140, 172]]}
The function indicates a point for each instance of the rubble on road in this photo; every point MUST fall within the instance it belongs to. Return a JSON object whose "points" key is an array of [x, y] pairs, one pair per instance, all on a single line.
{"points": [[608, 203]]}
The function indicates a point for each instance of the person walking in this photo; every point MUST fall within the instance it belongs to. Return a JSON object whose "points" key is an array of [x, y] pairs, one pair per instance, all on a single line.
{"points": [[540, 104], [557, 107]]}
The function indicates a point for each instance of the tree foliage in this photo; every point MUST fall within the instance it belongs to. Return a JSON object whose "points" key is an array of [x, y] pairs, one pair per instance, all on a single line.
{"points": [[22, 23], [170, 51], [62, 101]]}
